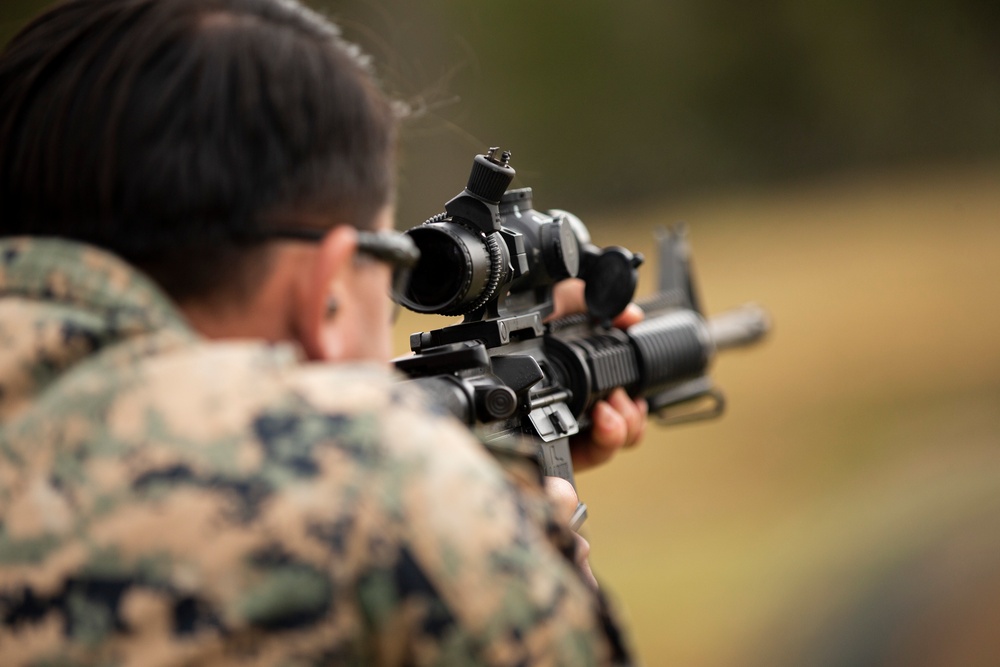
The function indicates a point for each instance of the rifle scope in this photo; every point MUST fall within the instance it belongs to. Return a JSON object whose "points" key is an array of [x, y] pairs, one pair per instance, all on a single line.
{"points": [[490, 254]]}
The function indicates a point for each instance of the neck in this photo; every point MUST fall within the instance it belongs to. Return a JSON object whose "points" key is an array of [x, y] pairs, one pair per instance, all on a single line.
{"points": [[231, 323], [263, 315]]}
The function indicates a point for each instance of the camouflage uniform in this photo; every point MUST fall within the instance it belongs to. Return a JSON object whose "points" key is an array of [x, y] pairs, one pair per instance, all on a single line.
{"points": [[166, 500]]}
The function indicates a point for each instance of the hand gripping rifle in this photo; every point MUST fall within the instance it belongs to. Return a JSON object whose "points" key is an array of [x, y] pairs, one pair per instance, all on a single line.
{"points": [[494, 259]]}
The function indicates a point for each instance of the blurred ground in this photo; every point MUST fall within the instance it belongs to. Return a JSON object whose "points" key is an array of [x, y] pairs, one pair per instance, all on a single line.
{"points": [[869, 412]]}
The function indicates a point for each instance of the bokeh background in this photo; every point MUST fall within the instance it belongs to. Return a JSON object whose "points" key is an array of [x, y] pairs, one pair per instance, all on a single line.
{"points": [[837, 161]]}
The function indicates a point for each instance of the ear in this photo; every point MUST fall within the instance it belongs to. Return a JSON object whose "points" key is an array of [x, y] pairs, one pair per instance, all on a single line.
{"points": [[326, 279]]}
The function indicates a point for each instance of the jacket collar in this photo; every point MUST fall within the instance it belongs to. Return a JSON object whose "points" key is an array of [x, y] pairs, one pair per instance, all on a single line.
{"points": [[82, 277], [63, 303]]}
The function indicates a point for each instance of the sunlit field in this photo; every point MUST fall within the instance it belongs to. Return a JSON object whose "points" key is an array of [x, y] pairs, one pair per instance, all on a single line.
{"points": [[870, 413]]}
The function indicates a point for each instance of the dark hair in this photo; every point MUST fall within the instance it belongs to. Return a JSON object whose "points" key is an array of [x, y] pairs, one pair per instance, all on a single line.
{"points": [[171, 131]]}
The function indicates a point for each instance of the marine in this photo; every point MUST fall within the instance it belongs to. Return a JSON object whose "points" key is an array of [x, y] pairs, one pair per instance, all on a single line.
{"points": [[168, 500], [204, 457]]}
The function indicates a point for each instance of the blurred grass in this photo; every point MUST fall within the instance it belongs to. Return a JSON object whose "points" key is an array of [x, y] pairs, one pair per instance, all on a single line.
{"points": [[869, 412]]}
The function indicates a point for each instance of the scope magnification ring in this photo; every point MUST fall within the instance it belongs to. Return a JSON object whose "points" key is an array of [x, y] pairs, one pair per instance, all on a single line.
{"points": [[496, 276]]}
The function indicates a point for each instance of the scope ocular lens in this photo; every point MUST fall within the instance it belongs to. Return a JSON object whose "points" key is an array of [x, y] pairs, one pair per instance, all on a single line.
{"points": [[453, 270]]}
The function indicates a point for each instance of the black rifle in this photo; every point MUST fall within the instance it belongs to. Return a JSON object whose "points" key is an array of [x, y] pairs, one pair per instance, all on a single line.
{"points": [[494, 259]]}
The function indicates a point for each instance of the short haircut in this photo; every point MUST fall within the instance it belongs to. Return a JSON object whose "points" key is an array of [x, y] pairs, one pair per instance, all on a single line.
{"points": [[171, 132]]}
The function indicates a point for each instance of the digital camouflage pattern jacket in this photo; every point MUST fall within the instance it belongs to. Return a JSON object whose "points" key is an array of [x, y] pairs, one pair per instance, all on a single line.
{"points": [[166, 500]]}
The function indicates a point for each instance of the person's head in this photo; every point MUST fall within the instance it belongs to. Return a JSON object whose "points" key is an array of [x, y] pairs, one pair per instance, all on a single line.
{"points": [[179, 134]]}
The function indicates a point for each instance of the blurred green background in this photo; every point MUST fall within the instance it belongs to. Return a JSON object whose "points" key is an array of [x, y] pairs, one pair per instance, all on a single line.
{"points": [[838, 163]]}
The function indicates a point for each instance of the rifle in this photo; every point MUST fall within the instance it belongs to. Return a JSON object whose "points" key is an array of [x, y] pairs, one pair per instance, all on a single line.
{"points": [[504, 370]]}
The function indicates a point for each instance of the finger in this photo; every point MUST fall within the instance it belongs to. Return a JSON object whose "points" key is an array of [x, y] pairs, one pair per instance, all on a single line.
{"points": [[568, 298], [609, 432], [563, 496], [643, 419], [632, 314], [632, 412], [583, 561]]}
